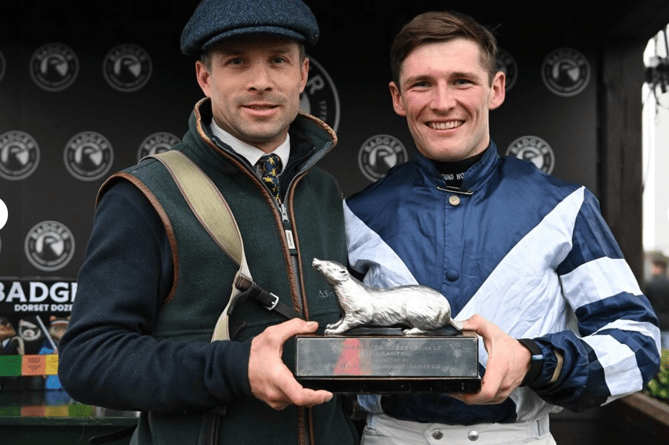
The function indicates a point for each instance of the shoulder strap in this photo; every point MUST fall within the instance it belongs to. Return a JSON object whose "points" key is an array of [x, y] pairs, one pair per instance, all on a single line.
{"points": [[207, 203], [213, 212]]}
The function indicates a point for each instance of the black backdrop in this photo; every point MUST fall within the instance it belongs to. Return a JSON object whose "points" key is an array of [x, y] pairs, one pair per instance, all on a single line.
{"points": [[85, 88]]}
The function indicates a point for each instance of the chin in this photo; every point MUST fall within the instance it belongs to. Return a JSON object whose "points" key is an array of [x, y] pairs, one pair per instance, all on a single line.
{"points": [[441, 155]]}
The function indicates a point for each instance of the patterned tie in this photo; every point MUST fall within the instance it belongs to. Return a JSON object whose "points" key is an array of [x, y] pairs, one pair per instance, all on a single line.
{"points": [[270, 167]]}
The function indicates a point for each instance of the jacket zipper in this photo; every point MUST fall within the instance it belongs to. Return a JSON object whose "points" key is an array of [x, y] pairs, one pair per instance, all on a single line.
{"points": [[292, 248], [288, 228], [304, 437], [304, 433]]}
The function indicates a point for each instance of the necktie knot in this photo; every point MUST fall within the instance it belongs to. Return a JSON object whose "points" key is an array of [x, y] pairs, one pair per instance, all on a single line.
{"points": [[270, 168]]}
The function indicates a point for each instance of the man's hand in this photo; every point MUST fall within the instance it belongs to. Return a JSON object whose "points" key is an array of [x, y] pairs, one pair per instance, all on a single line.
{"points": [[508, 362], [270, 379]]}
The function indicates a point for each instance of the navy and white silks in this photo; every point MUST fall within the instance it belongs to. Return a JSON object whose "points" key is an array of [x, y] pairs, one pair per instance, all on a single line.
{"points": [[530, 253]]}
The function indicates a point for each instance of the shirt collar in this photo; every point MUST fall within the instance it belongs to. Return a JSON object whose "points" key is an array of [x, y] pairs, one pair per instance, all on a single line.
{"points": [[475, 175], [248, 151]]}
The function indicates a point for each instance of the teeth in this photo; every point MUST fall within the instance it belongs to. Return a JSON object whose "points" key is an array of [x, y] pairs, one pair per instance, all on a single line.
{"points": [[445, 125]]}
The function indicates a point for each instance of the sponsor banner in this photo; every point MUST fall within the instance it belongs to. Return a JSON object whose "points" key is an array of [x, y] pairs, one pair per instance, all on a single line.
{"points": [[127, 67], [54, 67], [320, 97], [19, 155], [34, 314], [535, 150], [88, 156], [379, 154], [22, 298], [49, 246], [156, 143], [28, 365], [565, 72]]}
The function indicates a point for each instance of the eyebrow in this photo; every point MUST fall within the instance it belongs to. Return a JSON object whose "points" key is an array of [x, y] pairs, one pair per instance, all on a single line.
{"points": [[455, 74]]}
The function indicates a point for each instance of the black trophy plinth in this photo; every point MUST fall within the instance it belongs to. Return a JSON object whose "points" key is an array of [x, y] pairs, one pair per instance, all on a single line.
{"points": [[383, 360]]}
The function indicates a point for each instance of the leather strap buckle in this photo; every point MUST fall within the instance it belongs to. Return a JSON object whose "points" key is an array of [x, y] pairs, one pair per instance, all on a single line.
{"points": [[274, 303]]}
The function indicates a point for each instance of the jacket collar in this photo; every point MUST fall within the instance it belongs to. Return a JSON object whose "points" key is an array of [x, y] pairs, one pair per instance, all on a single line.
{"points": [[311, 138], [475, 175]]}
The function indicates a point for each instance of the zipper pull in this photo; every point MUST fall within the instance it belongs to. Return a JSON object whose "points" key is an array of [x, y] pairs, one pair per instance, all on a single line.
{"points": [[287, 230]]}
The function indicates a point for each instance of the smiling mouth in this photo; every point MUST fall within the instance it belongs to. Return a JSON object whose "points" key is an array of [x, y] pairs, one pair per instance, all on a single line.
{"points": [[445, 125], [260, 107]]}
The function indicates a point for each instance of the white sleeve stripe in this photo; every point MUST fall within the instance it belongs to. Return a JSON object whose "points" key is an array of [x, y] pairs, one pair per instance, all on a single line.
{"points": [[618, 362], [599, 279], [367, 249], [647, 329]]}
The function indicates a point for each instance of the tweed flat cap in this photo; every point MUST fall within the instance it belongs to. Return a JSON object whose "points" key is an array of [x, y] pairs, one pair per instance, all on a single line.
{"points": [[215, 20]]}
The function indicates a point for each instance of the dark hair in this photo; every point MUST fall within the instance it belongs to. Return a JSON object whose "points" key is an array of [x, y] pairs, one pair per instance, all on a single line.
{"points": [[438, 27]]}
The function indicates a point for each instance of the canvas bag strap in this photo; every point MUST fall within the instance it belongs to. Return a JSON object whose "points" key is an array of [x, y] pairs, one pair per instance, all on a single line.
{"points": [[209, 205]]}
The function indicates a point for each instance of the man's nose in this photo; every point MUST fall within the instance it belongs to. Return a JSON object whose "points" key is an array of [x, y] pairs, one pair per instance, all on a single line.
{"points": [[260, 78], [442, 98]]}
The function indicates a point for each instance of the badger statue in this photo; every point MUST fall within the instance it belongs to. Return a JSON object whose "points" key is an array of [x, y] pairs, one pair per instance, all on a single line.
{"points": [[420, 307]]}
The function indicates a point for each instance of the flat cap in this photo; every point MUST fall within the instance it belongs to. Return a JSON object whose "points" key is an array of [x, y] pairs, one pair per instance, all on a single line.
{"points": [[215, 20]]}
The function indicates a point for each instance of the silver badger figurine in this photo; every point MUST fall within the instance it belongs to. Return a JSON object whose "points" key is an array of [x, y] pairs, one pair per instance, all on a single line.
{"points": [[421, 307]]}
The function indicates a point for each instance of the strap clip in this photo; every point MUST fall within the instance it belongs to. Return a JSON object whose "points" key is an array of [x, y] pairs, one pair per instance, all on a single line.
{"points": [[262, 297], [273, 304]]}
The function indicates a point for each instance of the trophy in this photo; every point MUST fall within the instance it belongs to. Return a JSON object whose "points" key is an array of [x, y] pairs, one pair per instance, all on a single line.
{"points": [[366, 351]]}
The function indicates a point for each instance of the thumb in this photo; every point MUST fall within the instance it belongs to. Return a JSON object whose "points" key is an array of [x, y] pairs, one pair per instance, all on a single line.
{"points": [[298, 326], [310, 326], [475, 323]]}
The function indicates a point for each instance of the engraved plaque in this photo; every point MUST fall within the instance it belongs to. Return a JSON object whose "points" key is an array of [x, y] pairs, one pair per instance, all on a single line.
{"points": [[388, 363]]}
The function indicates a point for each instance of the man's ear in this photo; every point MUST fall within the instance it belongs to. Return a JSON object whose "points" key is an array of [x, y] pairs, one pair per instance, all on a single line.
{"points": [[304, 74], [498, 92], [395, 93], [203, 77]]}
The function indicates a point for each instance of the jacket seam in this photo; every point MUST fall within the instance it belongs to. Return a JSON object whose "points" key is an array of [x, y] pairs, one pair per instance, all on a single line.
{"points": [[169, 231], [300, 276]]}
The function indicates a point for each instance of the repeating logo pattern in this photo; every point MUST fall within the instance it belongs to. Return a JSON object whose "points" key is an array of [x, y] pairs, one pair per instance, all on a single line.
{"points": [[127, 67], [19, 155], [54, 67], [535, 150], [88, 156], [565, 72], [379, 154], [320, 97], [507, 64], [156, 143], [49, 246]]}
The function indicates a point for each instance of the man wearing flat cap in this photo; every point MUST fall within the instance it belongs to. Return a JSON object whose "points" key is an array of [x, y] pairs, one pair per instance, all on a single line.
{"points": [[154, 282]]}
